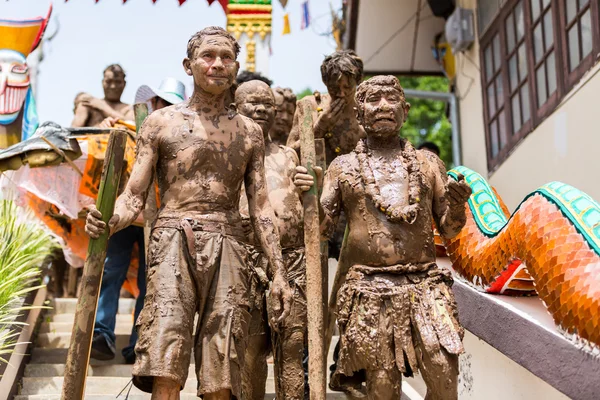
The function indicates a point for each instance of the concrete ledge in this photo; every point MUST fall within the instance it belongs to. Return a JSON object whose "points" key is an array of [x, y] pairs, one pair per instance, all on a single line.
{"points": [[522, 329]]}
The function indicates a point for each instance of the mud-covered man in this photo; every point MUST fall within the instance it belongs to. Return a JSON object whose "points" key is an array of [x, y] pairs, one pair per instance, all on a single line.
{"points": [[285, 101], [334, 115], [396, 310], [255, 100], [198, 259], [91, 111]]}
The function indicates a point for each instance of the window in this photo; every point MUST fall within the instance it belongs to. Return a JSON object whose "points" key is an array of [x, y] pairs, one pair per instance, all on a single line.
{"points": [[532, 53]]}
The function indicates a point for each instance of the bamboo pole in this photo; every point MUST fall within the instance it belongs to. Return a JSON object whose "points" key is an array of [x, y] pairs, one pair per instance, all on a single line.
{"points": [[321, 162], [85, 314], [314, 272]]}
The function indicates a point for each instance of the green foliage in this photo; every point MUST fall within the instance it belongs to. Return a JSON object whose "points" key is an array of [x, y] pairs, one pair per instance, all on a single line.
{"points": [[427, 120], [23, 247], [304, 93]]}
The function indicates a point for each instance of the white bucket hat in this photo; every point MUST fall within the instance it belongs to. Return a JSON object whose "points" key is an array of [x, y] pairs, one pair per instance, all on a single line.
{"points": [[170, 90]]}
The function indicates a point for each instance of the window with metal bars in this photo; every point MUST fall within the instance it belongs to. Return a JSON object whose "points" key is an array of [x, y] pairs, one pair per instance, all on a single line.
{"points": [[532, 53]]}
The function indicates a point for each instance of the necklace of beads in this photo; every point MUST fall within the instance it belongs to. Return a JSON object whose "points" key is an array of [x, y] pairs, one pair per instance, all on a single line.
{"points": [[394, 213]]}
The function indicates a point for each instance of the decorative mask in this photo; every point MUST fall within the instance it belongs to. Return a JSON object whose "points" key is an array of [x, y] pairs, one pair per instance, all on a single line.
{"points": [[18, 38]]}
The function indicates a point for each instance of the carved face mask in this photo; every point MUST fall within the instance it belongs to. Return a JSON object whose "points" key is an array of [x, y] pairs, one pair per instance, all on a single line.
{"points": [[14, 83]]}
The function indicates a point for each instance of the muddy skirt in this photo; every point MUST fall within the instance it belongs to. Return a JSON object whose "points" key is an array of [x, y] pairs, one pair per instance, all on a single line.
{"points": [[387, 319]]}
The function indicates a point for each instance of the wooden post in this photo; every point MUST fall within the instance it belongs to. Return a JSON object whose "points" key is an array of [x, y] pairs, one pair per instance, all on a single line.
{"points": [[321, 162], [340, 277], [314, 272], [85, 314]]}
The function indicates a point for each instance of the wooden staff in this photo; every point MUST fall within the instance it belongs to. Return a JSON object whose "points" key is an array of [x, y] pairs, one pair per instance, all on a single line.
{"points": [[321, 162], [338, 281], [85, 314], [314, 272]]}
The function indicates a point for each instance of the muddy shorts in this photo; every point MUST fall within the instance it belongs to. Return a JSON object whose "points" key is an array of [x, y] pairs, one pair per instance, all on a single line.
{"points": [[394, 321], [194, 268], [295, 264]]}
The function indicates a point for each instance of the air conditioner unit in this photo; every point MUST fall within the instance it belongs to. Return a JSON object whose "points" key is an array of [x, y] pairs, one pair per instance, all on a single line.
{"points": [[459, 30]]}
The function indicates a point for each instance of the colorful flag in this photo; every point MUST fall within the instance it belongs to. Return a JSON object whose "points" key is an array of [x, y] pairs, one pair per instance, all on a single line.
{"points": [[286, 24], [305, 16]]}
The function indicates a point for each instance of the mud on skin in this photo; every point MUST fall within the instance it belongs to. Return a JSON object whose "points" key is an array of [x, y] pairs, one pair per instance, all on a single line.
{"points": [[255, 100], [202, 155], [394, 258]]}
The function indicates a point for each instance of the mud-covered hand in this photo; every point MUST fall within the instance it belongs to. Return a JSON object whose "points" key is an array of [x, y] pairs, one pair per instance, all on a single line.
{"points": [[458, 191], [94, 226], [304, 181], [327, 119], [281, 300], [108, 122]]}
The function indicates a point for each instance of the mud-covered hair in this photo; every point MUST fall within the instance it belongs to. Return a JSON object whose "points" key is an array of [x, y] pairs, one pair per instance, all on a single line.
{"points": [[287, 94], [198, 37], [339, 63], [378, 80], [115, 69], [247, 76]]}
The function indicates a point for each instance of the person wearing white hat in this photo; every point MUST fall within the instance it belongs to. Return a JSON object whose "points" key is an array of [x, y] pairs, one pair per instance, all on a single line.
{"points": [[121, 244], [170, 91]]}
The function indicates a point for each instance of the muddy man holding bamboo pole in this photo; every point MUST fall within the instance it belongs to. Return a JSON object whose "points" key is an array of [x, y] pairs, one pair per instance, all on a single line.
{"points": [[203, 153], [396, 310]]}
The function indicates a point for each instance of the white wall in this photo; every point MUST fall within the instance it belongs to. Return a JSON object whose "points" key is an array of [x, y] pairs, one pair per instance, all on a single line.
{"points": [[565, 147]]}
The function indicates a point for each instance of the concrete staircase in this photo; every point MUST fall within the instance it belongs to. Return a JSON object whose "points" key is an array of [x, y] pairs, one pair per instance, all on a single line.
{"points": [[44, 374]]}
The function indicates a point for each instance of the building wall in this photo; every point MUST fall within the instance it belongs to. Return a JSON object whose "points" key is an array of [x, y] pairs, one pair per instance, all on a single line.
{"points": [[565, 147]]}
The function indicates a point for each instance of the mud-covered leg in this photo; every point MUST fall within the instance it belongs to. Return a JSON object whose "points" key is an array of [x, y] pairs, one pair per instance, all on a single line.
{"points": [[291, 380], [254, 378], [223, 394], [383, 385], [440, 373], [165, 389]]}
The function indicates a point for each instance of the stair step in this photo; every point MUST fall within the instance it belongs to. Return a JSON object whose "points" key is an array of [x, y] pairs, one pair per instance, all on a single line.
{"points": [[67, 306], [58, 356], [70, 317], [123, 327], [116, 370], [94, 385], [62, 340]]}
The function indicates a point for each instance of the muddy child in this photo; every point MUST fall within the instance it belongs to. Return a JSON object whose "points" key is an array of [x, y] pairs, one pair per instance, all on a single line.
{"points": [[255, 100], [334, 115], [396, 310], [198, 254]]}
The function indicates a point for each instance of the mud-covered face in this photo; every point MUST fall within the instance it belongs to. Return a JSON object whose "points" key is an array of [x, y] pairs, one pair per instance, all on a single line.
{"points": [[343, 88], [213, 66], [256, 101], [285, 116], [113, 85], [14, 83], [383, 111]]}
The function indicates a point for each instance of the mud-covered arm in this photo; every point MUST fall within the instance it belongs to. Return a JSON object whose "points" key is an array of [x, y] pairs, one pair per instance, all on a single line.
{"points": [[330, 205], [82, 114], [259, 207], [131, 202], [449, 198]]}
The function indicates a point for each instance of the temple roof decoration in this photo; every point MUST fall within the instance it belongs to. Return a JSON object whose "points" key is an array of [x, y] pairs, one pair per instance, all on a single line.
{"points": [[250, 17]]}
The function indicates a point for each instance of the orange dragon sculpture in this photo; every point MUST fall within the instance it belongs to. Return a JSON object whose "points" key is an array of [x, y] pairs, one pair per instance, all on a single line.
{"points": [[550, 246]]}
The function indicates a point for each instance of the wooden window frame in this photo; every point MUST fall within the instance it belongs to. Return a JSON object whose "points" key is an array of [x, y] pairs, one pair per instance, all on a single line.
{"points": [[565, 80]]}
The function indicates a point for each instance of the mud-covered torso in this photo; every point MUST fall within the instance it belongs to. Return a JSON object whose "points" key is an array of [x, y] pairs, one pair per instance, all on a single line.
{"points": [[280, 168], [201, 164], [374, 240]]}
